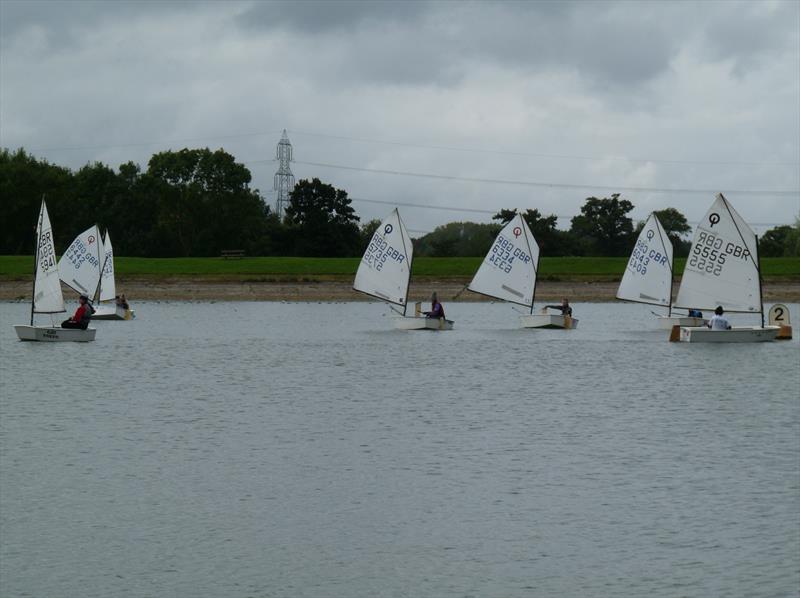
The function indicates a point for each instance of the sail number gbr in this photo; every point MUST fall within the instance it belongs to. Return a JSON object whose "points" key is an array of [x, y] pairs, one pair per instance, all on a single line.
{"points": [[642, 256], [504, 253], [47, 257], [78, 253], [379, 251], [710, 252]]}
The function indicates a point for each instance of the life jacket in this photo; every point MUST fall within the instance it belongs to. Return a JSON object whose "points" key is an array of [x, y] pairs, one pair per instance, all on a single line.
{"points": [[437, 313]]}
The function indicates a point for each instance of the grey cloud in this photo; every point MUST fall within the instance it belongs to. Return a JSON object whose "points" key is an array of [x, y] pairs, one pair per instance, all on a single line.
{"points": [[63, 21], [317, 16], [435, 43]]}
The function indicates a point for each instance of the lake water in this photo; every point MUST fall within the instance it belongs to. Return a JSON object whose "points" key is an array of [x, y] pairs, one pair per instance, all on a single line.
{"points": [[268, 449]]}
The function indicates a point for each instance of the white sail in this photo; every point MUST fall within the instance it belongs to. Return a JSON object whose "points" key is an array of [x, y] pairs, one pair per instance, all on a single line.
{"points": [[385, 268], [47, 297], [108, 286], [648, 275], [80, 265], [722, 267], [508, 271]]}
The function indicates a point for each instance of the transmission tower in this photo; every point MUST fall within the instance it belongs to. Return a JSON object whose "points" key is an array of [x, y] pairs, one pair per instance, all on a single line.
{"points": [[284, 179]]}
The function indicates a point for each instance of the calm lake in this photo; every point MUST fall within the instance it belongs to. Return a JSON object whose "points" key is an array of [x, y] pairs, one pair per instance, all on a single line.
{"points": [[310, 450]]}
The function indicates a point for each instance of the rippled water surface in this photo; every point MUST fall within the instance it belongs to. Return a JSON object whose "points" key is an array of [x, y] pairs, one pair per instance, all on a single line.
{"points": [[267, 449]]}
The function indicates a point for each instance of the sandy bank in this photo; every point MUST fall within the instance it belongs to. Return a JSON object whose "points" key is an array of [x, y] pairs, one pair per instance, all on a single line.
{"points": [[199, 289]]}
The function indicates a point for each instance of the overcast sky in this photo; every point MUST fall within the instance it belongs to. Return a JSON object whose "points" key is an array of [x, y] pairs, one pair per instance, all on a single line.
{"points": [[508, 104]]}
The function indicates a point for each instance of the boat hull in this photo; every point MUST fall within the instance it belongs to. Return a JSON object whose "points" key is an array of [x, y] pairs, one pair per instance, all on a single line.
{"points": [[422, 323], [54, 334], [112, 312], [738, 334], [667, 322], [547, 321]]}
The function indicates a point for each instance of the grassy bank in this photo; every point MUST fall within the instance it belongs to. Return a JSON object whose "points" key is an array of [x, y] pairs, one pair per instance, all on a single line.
{"points": [[287, 268]]}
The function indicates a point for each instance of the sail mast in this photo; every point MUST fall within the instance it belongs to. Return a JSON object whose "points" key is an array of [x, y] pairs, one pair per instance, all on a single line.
{"points": [[535, 280], [410, 262], [760, 289], [671, 275], [36, 258]]}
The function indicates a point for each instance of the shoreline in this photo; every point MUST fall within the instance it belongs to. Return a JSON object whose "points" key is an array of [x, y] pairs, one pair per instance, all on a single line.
{"points": [[209, 289]]}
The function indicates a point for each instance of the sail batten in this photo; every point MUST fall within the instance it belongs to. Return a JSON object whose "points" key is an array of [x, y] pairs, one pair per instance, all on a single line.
{"points": [[648, 273], [722, 267], [508, 272], [385, 268], [47, 297]]}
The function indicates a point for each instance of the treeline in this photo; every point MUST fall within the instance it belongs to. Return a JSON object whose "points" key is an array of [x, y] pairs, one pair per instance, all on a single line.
{"points": [[198, 202]]}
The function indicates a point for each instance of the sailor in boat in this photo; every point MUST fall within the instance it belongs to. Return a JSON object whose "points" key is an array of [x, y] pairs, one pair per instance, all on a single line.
{"points": [[695, 313], [82, 315], [565, 308], [122, 302], [437, 311], [718, 321]]}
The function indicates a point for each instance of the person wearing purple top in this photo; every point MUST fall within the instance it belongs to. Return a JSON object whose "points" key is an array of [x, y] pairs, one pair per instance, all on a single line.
{"points": [[437, 311]]}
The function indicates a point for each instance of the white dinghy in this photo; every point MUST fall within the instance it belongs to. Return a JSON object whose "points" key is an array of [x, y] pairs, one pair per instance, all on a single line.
{"points": [[648, 275], [723, 269], [106, 307], [47, 297], [508, 272], [385, 273]]}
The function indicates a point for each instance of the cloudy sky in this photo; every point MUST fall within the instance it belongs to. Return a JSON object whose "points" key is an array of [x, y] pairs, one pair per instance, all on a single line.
{"points": [[473, 106]]}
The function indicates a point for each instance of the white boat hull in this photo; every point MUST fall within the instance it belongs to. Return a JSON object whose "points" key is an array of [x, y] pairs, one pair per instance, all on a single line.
{"points": [[667, 322], [421, 323], [54, 334], [738, 334], [547, 321], [112, 312]]}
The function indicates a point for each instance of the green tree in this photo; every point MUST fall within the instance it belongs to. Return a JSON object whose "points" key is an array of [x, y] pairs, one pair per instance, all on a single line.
{"points": [[24, 180], [205, 203], [603, 226], [791, 247], [458, 239], [322, 221], [774, 242]]}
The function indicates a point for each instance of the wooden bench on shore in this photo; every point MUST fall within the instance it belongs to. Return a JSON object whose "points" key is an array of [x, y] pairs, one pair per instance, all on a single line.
{"points": [[232, 254]]}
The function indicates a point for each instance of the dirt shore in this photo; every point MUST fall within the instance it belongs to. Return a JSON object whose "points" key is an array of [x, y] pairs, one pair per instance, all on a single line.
{"points": [[199, 289]]}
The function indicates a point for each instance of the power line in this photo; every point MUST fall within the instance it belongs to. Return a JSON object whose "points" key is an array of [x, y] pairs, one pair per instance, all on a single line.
{"points": [[540, 155], [776, 193], [416, 145]]}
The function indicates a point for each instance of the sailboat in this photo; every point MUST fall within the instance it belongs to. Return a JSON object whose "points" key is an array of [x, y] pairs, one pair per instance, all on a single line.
{"points": [[385, 273], [648, 274], [723, 269], [508, 272], [47, 297], [105, 307]]}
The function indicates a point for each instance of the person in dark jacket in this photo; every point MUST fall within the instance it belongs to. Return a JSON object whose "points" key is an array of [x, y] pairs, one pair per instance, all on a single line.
{"points": [[437, 311], [82, 315], [566, 310]]}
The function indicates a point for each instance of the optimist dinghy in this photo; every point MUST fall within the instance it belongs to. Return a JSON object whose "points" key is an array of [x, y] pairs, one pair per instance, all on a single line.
{"points": [[106, 307], [509, 270], [385, 273], [723, 269], [648, 275], [47, 297]]}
